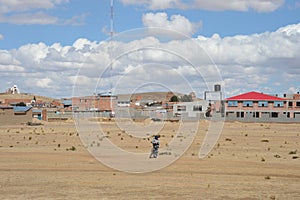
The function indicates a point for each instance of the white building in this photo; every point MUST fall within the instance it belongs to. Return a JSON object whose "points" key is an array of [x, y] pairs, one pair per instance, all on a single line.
{"points": [[191, 109]]}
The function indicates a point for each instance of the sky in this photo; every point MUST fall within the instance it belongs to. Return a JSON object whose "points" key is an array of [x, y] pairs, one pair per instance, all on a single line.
{"points": [[63, 48]]}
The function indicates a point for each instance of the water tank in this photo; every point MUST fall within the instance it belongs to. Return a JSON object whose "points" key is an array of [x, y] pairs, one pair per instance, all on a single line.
{"points": [[217, 88]]}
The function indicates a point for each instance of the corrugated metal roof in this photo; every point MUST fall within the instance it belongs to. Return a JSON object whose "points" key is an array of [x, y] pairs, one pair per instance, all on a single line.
{"points": [[37, 111], [254, 96], [22, 108], [6, 107], [67, 102]]}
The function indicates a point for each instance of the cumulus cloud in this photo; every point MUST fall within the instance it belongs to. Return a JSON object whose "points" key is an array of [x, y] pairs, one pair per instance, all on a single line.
{"points": [[267, 62], [235, 5], [176, 22], [34, 12]]}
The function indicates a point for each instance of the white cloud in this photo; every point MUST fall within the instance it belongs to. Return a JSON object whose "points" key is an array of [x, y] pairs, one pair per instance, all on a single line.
{"points": [[42, 82], [1, 37], [35, 12], [266, 61], [25, 5], [176, 23], [30, 18], [236, 5]]}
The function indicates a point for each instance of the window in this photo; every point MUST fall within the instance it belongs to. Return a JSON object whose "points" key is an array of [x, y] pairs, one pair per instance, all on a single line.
{"points": [[248, 104], [255, 114], [298, 103], [290, 104], [232, 103], [262, 104], [278, 103], [229, 114], [181, 108], [274, 115], [197, 108], [240, 114]]}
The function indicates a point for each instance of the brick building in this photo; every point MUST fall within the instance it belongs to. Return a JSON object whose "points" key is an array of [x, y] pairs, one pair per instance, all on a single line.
{"points": [[255, 106], [101, 103]]}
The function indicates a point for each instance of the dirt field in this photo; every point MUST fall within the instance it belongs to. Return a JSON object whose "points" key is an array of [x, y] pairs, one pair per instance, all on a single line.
{"points": [[250, 161]]}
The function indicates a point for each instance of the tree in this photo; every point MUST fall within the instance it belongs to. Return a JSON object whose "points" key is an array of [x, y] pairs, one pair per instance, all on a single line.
{"points": [[187, 98], [174, 99], [21, 104]]}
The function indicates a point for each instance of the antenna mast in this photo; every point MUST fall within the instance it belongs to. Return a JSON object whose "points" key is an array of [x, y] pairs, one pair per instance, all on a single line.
{"points": [[111, 19], [111, 38]]}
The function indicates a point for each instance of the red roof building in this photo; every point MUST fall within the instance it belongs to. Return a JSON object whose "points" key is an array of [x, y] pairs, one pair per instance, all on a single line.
{"points": [[255, 96], [259, 107]]}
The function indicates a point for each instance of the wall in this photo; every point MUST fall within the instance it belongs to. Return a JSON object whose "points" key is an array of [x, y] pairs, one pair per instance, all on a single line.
{"points": [[8, 117]]}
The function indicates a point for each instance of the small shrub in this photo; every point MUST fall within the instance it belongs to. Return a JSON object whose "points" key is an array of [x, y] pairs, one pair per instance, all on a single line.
{"points": [[72, 148], [264, 140], [272, 197], [293, 152], [267, 177]]}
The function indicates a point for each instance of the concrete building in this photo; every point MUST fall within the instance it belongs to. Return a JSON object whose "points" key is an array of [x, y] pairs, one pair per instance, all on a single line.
{"points": [[191, 110]]}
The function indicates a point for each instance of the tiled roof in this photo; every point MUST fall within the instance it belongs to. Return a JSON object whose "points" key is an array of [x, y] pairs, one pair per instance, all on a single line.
{"points": [[254, 96]]}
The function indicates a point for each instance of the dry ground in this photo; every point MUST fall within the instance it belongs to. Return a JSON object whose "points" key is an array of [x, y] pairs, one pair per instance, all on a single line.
{"points": [[250, 161]]}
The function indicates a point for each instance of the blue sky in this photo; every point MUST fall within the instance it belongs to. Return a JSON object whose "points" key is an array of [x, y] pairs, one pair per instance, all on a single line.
{"points": [[90, 17], [32, 30]]}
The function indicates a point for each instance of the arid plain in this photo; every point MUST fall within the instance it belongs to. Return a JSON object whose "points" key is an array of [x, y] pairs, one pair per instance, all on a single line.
{"points": [[249, 161]]}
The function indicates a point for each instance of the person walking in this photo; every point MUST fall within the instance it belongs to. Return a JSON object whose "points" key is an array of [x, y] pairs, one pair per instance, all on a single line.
{"points": [[155, 147]]}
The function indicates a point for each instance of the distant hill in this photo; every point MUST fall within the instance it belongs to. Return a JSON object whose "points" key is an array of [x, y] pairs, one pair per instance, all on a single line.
{"points": [[155, 96], [25, 96]]}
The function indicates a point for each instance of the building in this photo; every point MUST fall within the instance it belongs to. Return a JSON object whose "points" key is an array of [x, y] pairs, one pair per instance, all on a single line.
{"points": [[11, 115], [258, 107], [100, 102], [190, 110]]}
